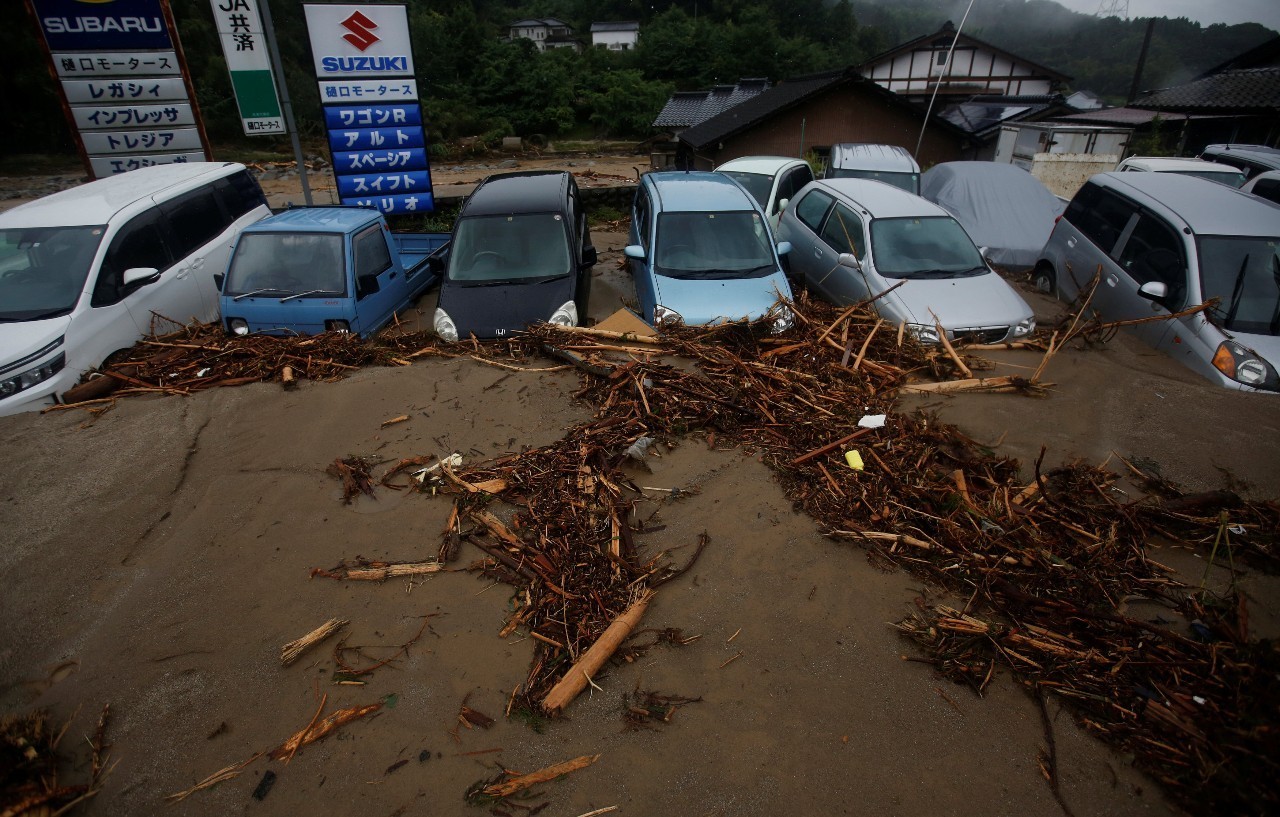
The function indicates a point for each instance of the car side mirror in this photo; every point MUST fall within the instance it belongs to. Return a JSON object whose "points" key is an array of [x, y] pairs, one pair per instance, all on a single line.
{"points": [[436, 264], [366, 285], [784, 247], [848, 259], [140, 276], [1154, 290], [218, 278], [634, 251], [589, 257], [782, 205]]}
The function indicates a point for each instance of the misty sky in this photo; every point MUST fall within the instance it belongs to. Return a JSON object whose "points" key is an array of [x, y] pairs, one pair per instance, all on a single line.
{"points": [[1205, 12]]}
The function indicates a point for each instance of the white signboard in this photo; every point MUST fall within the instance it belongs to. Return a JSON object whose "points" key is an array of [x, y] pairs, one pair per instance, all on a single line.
{"points": [[244, 44], [121, 91], [359, 40], [117, 64], [103, 117], [142, 141], [104, 166], [368, 90]]}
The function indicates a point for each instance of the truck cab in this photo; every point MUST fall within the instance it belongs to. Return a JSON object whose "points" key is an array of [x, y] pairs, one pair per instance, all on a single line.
{"points": [[316, 269]]}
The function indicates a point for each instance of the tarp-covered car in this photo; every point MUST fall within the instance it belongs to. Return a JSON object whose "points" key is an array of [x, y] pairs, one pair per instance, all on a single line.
{"points": [[1003, 208]]}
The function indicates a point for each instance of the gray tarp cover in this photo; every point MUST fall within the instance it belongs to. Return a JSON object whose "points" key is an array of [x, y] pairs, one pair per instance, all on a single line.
{"points": [[1004, 208]]}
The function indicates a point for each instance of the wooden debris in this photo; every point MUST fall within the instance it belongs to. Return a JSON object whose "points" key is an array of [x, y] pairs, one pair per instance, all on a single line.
{"points": [[580, 674], [294, 649], [360, 570], [521, 782], [320, 729]]}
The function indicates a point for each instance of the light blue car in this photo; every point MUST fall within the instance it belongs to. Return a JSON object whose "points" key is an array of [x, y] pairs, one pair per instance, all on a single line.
{"points": [[701, 252]]}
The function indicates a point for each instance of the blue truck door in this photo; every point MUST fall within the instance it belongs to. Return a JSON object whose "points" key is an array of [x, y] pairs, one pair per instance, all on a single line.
{"points": [[380, 284]]}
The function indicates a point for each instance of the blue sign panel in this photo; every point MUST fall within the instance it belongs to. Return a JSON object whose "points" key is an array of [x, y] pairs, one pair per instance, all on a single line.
{"points": [[120, 25], [379, 161], [371, 116], [412, 203], [383, 184], [377, 139]]}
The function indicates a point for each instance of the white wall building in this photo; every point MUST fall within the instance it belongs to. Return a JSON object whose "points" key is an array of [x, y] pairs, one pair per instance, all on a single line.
{"points": [[620, 36], [914, 68], [546, 33]]}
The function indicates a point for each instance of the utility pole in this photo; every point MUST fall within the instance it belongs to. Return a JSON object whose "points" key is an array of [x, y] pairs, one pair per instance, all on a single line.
{"points": [[1142, 61], [277, 65]]}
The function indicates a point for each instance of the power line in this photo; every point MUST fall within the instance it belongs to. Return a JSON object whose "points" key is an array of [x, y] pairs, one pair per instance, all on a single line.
{"points": [[1114, 8]]}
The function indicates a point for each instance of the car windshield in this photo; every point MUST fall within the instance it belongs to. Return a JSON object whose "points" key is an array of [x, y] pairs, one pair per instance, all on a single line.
{"points": [[43, 270], [909, 182], [713, 245], [522, 248], [758, 184], [274, 264], [1227, 177], [1243, 272], [932, 247]]}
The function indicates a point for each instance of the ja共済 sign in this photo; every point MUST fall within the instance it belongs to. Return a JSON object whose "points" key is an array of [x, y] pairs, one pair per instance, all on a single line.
{"points": [[245, 47]]}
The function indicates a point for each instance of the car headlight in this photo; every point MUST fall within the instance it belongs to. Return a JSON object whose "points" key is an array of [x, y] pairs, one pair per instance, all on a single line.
{"points": [[238, 326], [662, 316], [1024, 328], [1245, 366], [32, 377], [445, 326], [566, 315], [924, 332], [783, 319]]}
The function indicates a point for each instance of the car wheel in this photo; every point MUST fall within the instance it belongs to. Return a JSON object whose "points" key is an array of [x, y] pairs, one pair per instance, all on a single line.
{"points": [[1044, 280]]}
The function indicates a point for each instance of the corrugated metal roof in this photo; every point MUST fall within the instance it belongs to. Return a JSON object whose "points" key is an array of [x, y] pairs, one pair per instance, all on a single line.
{"points": [[1127, 117], [1247, 89]]}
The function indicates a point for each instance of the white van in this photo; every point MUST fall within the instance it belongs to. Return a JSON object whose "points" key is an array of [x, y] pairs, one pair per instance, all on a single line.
{"points": [[890, 164], [88, 271]]}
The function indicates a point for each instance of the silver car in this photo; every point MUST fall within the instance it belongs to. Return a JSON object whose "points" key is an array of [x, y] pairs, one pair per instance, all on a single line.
{"points": [[1163, 242], [854, 239]]}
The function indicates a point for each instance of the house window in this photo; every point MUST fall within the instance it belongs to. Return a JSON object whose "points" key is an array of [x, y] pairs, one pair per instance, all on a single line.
{"points": [[942, 57]]}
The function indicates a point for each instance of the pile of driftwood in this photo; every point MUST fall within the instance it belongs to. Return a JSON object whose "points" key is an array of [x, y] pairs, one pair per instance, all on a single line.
{"points": [[1048, 566], [1045, 566], [31, 764], [203, 356]]}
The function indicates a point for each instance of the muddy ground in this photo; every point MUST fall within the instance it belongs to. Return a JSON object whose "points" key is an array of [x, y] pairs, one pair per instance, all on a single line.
{"points": [[158, 559]]}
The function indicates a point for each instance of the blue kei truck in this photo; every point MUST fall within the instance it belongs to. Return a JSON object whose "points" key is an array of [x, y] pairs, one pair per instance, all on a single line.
{"points": [[325, 269]]}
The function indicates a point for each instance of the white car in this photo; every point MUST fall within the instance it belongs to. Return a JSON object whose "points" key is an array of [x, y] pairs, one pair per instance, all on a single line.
{"points": [[771, 180], [89, 271], [1213, 171], [854, 239], [1265, 186]]}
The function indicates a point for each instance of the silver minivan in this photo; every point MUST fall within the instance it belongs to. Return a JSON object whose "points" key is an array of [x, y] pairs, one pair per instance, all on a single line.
{"points": [[1163, 242]]}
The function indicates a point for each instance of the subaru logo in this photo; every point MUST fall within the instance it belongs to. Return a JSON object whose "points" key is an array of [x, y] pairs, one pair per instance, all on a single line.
{"points": [[361, 28]]}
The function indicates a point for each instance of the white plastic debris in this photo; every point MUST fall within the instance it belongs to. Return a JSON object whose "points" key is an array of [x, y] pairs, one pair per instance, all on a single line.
{"points": [[639, 447], [453, 461], [871, 421]]}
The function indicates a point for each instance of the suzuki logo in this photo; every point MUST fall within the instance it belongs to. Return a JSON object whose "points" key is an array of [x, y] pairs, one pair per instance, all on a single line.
{"points": [[361, 29]]}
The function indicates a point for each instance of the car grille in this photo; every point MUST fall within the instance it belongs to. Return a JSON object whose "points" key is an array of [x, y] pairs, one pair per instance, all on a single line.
{"points": [[984, 334]]}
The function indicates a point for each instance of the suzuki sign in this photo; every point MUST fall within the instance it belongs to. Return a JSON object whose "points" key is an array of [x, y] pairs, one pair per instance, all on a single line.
{"points": [[359, 40]]}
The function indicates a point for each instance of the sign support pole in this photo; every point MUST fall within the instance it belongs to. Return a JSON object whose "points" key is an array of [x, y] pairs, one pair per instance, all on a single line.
{"points": [[277, 66]]}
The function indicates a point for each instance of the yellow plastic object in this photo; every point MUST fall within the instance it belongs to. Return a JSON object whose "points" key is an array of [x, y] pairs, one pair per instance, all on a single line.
{"points": [[854, 459]]}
